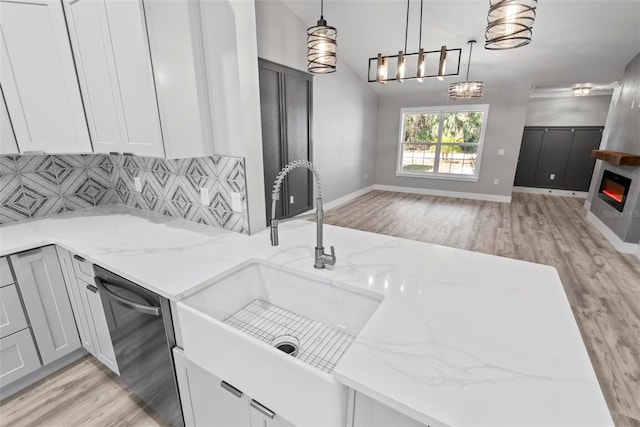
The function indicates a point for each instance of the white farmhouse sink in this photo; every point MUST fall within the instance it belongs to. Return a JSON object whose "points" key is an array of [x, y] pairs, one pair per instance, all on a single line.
{"points": [[227, 329]]}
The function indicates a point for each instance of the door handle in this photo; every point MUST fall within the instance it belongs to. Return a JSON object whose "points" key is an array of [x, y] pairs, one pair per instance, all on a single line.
{"points": [[140, 308], [79, 258], [231, 389], [262, 409], [92, 289]]}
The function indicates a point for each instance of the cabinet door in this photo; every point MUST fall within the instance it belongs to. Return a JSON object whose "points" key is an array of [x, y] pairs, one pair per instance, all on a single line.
{"points": [[11, 315], [8, 144], [580, 165], [18, 357], [554, 154], [103, 346], [206, 399], [6, 278], [528, 157], [75, 296], [39, 80], [89, 34], [371, 413], [41, 283]]}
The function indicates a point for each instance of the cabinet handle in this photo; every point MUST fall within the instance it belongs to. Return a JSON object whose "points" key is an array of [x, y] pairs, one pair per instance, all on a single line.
{"points": [[127, 154], [79, 258], [262, 409], [30, 251], [92, 289], [231, 389]]}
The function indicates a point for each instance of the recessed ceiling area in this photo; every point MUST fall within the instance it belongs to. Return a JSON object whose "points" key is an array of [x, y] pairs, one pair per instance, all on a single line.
{"points": [[573, 41]]}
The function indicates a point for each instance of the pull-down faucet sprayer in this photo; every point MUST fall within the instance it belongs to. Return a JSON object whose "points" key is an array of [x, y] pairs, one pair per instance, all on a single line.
{"points": [[321, 258]]}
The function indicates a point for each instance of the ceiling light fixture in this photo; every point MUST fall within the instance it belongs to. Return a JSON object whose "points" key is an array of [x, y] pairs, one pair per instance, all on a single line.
{"points": [[321, 46], [509, 23], [467, 89], [582, 90], [404, 60]]}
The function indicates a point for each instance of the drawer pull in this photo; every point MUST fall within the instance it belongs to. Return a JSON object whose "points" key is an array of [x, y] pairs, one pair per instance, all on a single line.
{"points": [[231, 389], [79, 258], [262, 409], [92, 289]]}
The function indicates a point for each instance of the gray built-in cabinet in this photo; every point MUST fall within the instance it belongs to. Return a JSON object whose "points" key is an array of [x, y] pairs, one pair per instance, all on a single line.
{"points": [[557, 157], [285, 105]]}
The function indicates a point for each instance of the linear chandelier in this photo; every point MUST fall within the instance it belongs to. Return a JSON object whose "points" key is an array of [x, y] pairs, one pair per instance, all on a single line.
{"points": [[467, 89], [321, 46], [510, 23], [418, 61]]}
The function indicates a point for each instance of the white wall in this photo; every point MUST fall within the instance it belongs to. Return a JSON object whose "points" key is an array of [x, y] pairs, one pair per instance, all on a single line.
{"points": [[234, 93], [344, 107], [568, 111], [507, 112]]}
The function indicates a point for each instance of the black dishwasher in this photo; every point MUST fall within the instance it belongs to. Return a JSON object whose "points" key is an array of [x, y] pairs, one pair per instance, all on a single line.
{"points": [[142, 334]]}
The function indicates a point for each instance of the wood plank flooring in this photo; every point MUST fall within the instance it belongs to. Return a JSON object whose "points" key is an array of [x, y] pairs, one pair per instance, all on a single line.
{"points": [[602, 285], [85, 394]]}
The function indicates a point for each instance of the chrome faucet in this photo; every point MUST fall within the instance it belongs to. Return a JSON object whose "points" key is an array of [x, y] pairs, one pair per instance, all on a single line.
{"points": [[321, 258]]}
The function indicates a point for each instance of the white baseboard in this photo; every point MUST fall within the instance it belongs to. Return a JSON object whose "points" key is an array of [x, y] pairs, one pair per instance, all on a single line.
{"points": [[587, 205], [455, 194], [551, 191], [617, 242], [347, 198]]}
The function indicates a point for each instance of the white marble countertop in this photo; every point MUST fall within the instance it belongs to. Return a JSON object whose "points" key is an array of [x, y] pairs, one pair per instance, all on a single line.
{"points": [[461, 338]]}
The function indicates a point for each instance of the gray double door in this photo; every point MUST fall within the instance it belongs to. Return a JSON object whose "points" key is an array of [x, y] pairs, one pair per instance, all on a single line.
{"points": [[285, 106], [557, 157]]}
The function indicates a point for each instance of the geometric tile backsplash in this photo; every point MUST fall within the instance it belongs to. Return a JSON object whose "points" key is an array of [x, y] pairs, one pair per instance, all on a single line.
{"points": [[41, 185]]}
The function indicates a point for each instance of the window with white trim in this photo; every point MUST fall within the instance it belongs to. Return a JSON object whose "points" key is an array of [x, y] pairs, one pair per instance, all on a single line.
{"points": [[442, 142]]}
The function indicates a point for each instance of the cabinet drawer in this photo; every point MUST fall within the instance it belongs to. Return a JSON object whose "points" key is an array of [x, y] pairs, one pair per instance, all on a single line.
{"points": [[6, 278], [12, 317], [83, 268], [18, 356]]}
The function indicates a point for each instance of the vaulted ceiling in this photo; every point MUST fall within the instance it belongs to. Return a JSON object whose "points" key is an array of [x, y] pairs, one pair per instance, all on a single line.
{"points": [[573, 41]]}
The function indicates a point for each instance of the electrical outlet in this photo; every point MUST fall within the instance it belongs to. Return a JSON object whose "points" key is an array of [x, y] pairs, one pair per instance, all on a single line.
{"points": [[137, 183], [496, 181], [204, 196], [291, 200], [501, 152], [552, 176], [236, 202]]}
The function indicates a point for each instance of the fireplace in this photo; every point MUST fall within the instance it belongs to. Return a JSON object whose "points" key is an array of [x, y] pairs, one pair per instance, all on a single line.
{"points": [[614, 189]]}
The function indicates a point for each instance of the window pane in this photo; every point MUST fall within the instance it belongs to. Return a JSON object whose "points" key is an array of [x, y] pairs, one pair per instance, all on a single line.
{"points": [[462, 127], [458, 159], [421, 127], [418, 157]]}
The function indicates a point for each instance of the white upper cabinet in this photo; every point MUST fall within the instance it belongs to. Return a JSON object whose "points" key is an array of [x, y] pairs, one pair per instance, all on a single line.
{"points": [[8, 144], [109, 39], [39, 80]]}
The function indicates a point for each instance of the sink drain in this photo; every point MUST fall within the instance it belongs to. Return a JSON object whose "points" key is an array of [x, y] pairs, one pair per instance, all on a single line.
{"points": [[287, 344]]}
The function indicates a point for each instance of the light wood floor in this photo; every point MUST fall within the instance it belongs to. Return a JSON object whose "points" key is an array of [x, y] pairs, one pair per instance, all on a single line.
{"points": [[603, 286], [85, 394]]}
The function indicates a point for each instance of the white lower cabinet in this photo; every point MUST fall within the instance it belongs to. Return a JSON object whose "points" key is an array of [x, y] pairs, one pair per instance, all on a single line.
{"points": [[368, 412], [44, 293], [18, 357], [209, 401], [87, 308]]}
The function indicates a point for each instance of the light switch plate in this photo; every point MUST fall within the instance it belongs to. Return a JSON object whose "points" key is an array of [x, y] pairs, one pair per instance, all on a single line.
{"points": [[137, 183], [204, 196], [501, 152], [552, 176], [236, 202]]}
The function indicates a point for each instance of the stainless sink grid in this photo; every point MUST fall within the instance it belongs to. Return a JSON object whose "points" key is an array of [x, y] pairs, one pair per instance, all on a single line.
{"points": [[321, 345]]}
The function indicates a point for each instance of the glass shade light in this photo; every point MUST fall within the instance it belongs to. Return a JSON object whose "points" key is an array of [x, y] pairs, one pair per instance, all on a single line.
{"points": [[321, 48], [421, 66], [467, 89], [581, 91], [442, 65], [509, 23], [381, 73], [400, 68]]}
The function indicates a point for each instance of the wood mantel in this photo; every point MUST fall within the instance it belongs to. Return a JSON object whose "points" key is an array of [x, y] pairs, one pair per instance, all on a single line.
{"points": [[616, 157]]}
